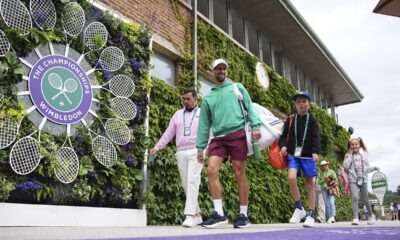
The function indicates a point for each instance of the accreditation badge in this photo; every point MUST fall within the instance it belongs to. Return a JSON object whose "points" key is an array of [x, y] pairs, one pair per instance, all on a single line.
{"points": [[186, 131], [298, 151]]}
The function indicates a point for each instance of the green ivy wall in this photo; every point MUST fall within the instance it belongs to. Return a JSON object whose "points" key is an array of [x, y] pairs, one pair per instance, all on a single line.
{"points": [[270, 200]]}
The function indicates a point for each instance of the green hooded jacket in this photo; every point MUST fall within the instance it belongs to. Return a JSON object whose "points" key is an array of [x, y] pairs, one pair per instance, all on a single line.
{"points": [[221, 112]]}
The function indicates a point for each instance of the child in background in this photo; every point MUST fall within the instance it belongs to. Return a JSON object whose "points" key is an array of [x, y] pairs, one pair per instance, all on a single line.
{"points": [[357, 166], [324, 182]]}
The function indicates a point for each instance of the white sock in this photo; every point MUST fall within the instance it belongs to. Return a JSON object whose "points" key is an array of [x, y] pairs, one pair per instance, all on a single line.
{"points": [[243, 209], [218, 206]]}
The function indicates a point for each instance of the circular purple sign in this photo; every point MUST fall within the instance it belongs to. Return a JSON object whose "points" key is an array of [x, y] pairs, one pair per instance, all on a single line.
{"points": [[60, 89]]}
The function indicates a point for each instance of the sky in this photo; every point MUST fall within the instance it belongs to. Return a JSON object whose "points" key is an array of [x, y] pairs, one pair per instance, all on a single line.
{"points": [[367, 46]]}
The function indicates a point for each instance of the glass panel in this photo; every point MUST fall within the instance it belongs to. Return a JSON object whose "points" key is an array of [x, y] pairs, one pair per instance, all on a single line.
{"points": [[203, 7], [309, 84], [164, 68], [266, 48], [293, 75], [221, 14], [238, 27], [302, 81], [286, 70], [278, 64], [253, 39]]}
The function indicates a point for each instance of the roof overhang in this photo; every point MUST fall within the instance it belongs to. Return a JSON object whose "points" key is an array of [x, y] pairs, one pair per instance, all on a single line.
{"points": [[287, 28], [388, 7]]}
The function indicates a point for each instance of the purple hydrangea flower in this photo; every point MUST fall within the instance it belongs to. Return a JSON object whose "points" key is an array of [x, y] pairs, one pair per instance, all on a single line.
{"points": [[97, 13], [91, 173], [129, 147], [129, 161], [29, 186], [136, 65]]}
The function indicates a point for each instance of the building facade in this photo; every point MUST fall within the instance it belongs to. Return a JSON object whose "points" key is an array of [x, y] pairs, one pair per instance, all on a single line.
{"points": [[272, 31]]}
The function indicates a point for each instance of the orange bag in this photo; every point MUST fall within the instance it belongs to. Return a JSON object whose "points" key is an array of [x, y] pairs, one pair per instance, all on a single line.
{"points": [[275, 158]]}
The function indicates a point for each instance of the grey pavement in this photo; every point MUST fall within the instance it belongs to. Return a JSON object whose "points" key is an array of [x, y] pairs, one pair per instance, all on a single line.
{"points": [[22, 233]]}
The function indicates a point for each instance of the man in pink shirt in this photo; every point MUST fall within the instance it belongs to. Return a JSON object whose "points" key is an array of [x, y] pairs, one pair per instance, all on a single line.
{"points": [[183, 126]]}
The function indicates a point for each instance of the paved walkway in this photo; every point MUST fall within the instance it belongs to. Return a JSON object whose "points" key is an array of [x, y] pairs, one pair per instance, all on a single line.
{"points": [[383, 230]]}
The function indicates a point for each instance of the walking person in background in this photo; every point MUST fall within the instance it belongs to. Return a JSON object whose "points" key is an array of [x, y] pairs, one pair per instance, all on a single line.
{"points": [[320, 204], [183, 126], [395, 211], [325, 181], [357, 165], [221, 112], [302, 149]]}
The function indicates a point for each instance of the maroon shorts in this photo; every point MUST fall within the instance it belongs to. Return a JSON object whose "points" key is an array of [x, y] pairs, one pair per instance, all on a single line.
{"points": [[232, 144]]}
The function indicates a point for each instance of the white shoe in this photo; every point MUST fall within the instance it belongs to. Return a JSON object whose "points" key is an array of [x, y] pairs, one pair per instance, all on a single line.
{"points": [[189, 222], [309, 222], [198, 219], [331, 220], [297, 216], [355, 221], [371, 220]]}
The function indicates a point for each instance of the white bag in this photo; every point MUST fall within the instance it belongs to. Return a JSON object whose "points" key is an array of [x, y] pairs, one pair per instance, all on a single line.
{"points": [[271, 127]]}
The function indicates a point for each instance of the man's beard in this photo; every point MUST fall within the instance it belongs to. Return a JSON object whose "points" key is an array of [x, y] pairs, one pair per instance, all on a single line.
{"points": [[220, 79]]}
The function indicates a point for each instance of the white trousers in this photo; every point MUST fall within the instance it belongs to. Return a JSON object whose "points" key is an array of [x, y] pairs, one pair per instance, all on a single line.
{"points": [[190, 172]]}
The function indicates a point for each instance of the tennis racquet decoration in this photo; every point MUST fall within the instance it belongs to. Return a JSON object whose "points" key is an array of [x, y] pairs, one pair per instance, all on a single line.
{"points": [[67, 164], [111, 59], [119, 85], [68, 86], [103, 149], [4, 44], [43, 13], [116, 129], [73, 21], [25, 154], [95, 38], [16, 15], [8, 131], [124, 107]]}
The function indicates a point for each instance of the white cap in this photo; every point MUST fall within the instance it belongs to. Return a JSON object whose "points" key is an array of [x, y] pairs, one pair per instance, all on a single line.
{"points": [[219, 61], [323, 162]]}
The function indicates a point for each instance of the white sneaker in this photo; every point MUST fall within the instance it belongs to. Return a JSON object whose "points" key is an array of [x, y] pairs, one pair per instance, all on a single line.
{"points": [[189, 222], [331, 220], [355, 221], [297, 216], [198, 219], [371, 220], [309, 222]]}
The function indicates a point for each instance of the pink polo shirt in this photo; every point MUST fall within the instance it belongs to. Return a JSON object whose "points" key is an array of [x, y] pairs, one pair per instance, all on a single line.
{"points": [[180, 120]]}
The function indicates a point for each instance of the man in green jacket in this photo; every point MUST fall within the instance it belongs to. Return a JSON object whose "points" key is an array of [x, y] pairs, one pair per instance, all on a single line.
{"points": [[221, 112]]}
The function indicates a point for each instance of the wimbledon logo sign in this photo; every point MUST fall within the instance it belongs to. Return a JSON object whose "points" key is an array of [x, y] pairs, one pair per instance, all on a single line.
{"points": [[60, 89]]}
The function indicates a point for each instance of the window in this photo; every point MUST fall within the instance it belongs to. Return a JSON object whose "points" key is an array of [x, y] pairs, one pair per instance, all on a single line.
{"points": [[277, 60], [287, 68], [309, 85], [238, 27], [221, 14], [302, 81], [266, 50], [293, 75], [164, 68], [253, 39], [203, 7], [205, 86]]}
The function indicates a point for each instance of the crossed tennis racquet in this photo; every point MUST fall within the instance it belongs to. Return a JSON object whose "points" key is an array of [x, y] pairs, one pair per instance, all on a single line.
{"points": [[69, 86]]}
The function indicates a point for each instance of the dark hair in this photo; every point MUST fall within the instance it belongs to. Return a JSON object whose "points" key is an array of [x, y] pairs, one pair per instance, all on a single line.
{"points": [[190, 90]]}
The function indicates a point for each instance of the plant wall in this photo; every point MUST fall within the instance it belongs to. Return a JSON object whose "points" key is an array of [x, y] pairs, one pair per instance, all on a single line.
{"points": [[96, 185], [270, 200]]}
